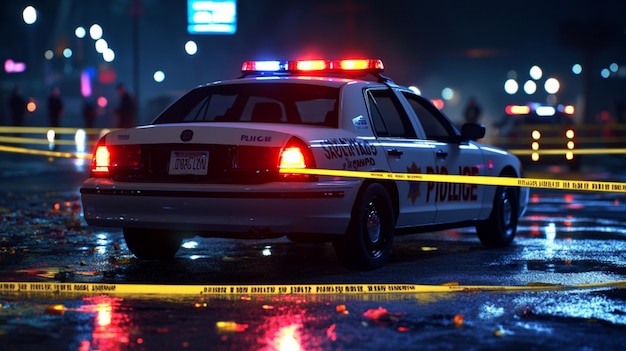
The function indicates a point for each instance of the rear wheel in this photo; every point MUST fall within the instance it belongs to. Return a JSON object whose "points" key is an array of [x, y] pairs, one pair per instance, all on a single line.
{"points": [[367, 244], [500, 228], [152, 244]]}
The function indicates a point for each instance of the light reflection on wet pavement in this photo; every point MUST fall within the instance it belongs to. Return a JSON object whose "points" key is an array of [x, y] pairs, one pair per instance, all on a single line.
{"points": [[565, 239]]}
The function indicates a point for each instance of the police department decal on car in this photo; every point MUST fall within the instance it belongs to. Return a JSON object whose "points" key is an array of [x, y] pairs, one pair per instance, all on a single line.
{"points": [[210, 166]]}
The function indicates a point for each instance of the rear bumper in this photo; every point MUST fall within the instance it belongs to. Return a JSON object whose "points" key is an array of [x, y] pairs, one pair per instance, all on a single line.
{"points": [[276, 208]]}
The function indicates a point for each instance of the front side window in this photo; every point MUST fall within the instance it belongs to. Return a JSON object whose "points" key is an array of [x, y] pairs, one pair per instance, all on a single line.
{"points": [[268, 102], [388, 116], [435, 124]]}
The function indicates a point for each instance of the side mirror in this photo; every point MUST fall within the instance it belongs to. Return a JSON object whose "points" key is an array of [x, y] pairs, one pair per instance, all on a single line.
{"points": [[472, 131]]}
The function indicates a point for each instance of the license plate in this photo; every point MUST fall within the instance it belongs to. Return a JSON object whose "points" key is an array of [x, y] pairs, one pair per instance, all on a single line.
{"points": [[189, 162]]}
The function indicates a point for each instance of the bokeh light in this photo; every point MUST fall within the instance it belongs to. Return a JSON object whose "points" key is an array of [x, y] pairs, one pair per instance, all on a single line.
{"points": [[552, 85], [535, 72], [605, 73], [29, 15], [511, 87], [108, 55], [159, 76], [80, 32], [95, 31], [191, 48], [530, 87], [48, 54], [101, 45]]}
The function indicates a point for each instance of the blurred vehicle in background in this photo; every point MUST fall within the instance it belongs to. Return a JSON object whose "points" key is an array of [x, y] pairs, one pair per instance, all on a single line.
{"points": [[539, 134]]}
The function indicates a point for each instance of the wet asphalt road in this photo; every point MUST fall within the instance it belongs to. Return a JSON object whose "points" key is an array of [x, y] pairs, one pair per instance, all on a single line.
{"points": [[565, 238]]}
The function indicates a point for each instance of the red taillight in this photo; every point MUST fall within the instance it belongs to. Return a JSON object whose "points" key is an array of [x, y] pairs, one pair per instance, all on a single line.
{"points": [[292, 157], [101, 161], [108, 157], [296, 154]]}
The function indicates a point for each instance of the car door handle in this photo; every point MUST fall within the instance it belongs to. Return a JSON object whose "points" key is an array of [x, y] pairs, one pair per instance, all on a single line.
{"points": [[441, 154], [394, 152]]}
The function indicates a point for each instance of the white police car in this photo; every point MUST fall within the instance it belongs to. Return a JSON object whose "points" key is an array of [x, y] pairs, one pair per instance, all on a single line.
{"points": [[210, 165]]}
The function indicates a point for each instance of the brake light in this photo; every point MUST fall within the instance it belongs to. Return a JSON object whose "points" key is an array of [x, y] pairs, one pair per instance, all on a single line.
{"points": [[292, 158], [370, 65], [109, 157], [101, 161], [517, 110], [296, 154]]}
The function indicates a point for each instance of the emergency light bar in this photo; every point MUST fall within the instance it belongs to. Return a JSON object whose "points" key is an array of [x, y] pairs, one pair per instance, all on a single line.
{"points": [[372, 65], [540, 110]]}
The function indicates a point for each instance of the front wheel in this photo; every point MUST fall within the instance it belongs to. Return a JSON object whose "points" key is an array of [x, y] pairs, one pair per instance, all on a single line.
{"points": [[500, 228], [368, 241], [152, 244]]}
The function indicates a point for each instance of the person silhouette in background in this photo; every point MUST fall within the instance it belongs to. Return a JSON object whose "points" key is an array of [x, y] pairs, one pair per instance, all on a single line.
{"points": [[17, 105], [55, 107], [472, 111], [89, 113], [127, 109]]}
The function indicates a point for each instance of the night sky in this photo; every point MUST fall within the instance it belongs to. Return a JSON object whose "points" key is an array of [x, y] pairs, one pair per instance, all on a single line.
{"points": [[469, 46]]}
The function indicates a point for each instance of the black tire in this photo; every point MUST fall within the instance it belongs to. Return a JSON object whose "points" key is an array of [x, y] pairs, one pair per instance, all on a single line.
{"points": [[500, 228], [368, 241], [152, 244]]}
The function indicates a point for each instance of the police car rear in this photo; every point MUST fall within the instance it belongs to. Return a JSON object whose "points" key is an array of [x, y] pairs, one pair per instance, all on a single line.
{"points": [[212, 165]]}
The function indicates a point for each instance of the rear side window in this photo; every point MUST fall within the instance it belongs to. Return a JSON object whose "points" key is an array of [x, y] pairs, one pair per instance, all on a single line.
{"points": [[269, 102]]}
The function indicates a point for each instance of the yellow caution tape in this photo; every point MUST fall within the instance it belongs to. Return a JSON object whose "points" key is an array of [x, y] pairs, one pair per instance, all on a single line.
{"points": [[575, 152], [300, 289], [559, 184], [57, 130], [22, 150], [582, 185]]}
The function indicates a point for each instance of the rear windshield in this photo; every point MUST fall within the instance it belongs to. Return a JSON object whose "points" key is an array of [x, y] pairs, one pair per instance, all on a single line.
{"points": [[268, 102]]}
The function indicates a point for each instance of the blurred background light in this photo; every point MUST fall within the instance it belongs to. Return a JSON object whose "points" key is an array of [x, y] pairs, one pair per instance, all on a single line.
{"points": [[605, 73], [191, 48], [80, 32], [29, 15], [159, 76], [530, 87], [577, 69], [510, 86], [11, 66], [101, 45], [108, 55], [552, 85], [95, 31], [447, 94], [535, 72]]}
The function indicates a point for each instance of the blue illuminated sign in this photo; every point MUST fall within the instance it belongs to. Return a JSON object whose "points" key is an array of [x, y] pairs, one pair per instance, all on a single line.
{"points": [[212, 16]]}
